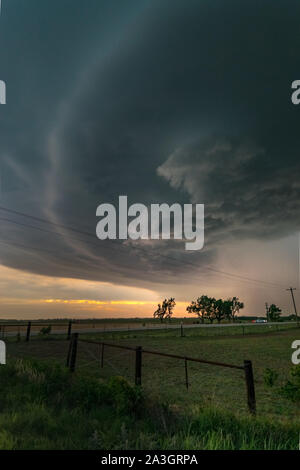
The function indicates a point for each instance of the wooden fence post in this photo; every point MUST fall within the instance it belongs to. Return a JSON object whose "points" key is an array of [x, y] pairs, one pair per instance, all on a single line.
{"points": [[138, 366], [69, 352], [102, 356], [181, 330], [28, 331], [69, 329], [73, 352], [186, 374], [250, 387]]}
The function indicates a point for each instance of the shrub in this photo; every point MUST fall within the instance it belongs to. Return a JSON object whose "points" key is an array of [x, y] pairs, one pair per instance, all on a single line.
{"points": [[46, 330], [291, 389], [87, 393], [270, 377], [126, 397], [50, 382]]}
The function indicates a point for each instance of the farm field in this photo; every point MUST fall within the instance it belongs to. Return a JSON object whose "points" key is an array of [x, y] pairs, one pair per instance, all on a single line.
{"points": [[165, 378]]}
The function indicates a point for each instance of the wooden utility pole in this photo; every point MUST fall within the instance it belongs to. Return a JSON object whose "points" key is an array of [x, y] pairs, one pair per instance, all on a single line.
{"points": [[267, 311], [291, 289]]}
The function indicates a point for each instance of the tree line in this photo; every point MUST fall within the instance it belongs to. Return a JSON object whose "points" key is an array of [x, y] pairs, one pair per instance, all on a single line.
{"points": [[206, 308]]}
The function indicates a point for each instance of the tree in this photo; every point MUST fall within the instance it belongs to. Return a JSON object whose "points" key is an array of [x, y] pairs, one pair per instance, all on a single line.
{"points": [[227, 309], [165, 310], [235, 307], [220, 309], [273, 312], [197, 308], [203, 307], [209, 308]]}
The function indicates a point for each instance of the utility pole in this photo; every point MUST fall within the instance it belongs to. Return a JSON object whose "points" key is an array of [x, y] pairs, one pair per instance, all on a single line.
{"points": [[291, 289], [267, 311]]}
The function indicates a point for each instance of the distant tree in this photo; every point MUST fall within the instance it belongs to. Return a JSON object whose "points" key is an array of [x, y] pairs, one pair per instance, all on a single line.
{"points": [[197, 308], [227, 309], [220, 308], [203, 307], [292, 317], [211, 309], [165, 310], [159, 313], [170, 305], [274, 312], [235, 306]]}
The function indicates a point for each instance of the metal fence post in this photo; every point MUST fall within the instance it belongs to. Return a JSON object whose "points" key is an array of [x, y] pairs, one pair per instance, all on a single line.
{"points": [[250, 387], [138, 366], [28, 331], [73, 352], [69, 329]]}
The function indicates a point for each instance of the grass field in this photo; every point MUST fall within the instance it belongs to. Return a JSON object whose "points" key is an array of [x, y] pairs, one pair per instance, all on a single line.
{"points": [[164, 378], [44, 406]]}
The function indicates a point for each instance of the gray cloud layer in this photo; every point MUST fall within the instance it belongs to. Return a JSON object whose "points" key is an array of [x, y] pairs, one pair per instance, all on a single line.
{"points": [[245, 193], [163, 102]]}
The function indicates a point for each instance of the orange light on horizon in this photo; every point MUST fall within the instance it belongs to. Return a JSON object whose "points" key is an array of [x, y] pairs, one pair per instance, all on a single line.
{"points": [[105, 302]]}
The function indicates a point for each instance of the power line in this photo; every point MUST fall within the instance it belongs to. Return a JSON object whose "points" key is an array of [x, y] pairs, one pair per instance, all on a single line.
{"points": [[23, 247], [27, 247], [291, 289], [187, 262], [45, 221], [39, 219]]}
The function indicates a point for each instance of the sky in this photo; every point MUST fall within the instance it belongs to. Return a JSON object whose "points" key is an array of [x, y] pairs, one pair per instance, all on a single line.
{"points": [[165, 102]]}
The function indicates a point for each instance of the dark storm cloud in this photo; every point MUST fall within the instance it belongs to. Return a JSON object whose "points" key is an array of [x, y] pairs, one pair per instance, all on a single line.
{"points": [[246, 194], [106, 100]]}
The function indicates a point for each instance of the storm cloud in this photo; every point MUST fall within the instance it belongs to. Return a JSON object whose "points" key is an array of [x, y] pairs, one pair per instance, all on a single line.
{"points": [[161, 101]]}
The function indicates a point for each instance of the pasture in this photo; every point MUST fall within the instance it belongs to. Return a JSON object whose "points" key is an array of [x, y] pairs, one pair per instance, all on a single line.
{"points": [[165, 380]]}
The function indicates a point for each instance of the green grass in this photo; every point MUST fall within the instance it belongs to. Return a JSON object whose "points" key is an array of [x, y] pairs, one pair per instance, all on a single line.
{"points": [[164, 378], [43, 406]]}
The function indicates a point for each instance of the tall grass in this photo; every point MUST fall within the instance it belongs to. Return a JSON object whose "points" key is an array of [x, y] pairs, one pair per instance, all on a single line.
{"points": [[43, 406]]}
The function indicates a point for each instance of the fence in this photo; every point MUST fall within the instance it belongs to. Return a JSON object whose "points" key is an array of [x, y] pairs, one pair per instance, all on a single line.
{"points": [[28, 328], [139, 352], [9, 328]]}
